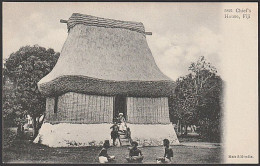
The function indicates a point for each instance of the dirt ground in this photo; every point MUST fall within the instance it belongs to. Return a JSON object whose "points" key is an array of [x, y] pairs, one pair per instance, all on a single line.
{"points": [[28, 152]]}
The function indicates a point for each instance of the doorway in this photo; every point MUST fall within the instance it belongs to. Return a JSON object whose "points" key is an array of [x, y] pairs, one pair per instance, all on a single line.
{"points": [[119, 106]]}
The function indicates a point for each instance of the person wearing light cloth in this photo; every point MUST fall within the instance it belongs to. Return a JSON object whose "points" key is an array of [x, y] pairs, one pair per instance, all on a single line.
{"points": [[122, 121], [103, 156], [168, 154], [135, 154]]}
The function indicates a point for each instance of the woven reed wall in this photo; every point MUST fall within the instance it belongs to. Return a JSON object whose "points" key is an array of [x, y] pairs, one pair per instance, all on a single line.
{"points": [[91, 109], [148, 110], [80, 108], [49, 109]]}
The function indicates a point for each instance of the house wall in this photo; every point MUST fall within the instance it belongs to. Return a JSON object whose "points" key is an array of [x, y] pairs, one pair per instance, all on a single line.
{"points": [[90, 109], [148, 110], [80, 108]]}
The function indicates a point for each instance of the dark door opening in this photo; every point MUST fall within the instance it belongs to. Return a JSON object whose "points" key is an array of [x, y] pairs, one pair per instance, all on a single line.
{"points": [[119, 106]]}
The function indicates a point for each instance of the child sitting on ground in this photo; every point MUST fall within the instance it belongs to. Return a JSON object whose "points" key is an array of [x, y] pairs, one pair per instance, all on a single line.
{"points": [[135, 154], [168, 154], [103, 156]]}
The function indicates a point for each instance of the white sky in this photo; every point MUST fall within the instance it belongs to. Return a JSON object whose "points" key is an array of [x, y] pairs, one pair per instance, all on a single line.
{"points": [[181, 31]]}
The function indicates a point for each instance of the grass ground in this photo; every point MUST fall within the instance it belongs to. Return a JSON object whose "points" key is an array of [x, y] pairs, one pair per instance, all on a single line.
{"points": [[27, 152]]}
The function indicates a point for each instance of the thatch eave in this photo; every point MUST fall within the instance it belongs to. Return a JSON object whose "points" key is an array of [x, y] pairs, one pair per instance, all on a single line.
{"points": [[95, 86]]}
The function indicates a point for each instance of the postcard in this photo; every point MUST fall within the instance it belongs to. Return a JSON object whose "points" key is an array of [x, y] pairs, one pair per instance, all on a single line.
{"points": [[127, 82]]}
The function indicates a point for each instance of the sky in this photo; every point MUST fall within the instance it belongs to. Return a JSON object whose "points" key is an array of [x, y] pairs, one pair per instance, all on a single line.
{"points": [[181, 31]]}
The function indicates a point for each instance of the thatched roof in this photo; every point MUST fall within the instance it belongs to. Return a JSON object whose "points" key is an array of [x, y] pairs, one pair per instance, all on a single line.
{"points": [[106, 57], [88, 20]]}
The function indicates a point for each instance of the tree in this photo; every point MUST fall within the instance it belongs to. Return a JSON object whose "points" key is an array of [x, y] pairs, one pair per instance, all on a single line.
{"points": [[197, 99], [11, 110], [23, 69]]}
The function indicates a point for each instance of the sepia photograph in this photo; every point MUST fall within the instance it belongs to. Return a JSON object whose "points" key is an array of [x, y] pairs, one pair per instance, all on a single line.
{"points": [[129, 83]]}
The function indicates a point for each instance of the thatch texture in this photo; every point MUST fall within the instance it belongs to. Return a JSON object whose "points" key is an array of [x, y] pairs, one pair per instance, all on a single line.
{"points": [[80, 108], [83, 84], [88, 20], [106, 60]]}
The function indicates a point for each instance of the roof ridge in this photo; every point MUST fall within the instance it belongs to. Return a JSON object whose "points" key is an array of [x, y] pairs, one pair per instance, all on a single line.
{"points": [[89, 20]]}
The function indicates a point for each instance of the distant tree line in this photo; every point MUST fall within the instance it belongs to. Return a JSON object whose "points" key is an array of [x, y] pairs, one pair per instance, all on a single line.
{"points": [[198, 100]]}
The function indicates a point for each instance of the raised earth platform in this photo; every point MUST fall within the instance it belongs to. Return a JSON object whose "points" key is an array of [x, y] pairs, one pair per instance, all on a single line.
{"points": [[65, 134]]}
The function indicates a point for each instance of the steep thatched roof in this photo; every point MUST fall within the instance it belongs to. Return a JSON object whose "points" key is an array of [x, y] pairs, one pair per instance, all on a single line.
{"points": [[106, 57]]}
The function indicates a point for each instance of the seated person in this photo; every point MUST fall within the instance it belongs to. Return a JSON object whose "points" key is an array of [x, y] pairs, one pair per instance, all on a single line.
{"points": [[168, 154], [135, 154], [103, 156]]}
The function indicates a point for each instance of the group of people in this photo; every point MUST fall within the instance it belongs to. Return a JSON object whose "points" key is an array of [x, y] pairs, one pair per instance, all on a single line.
{"points": [[120, 128], [135, 154]]}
